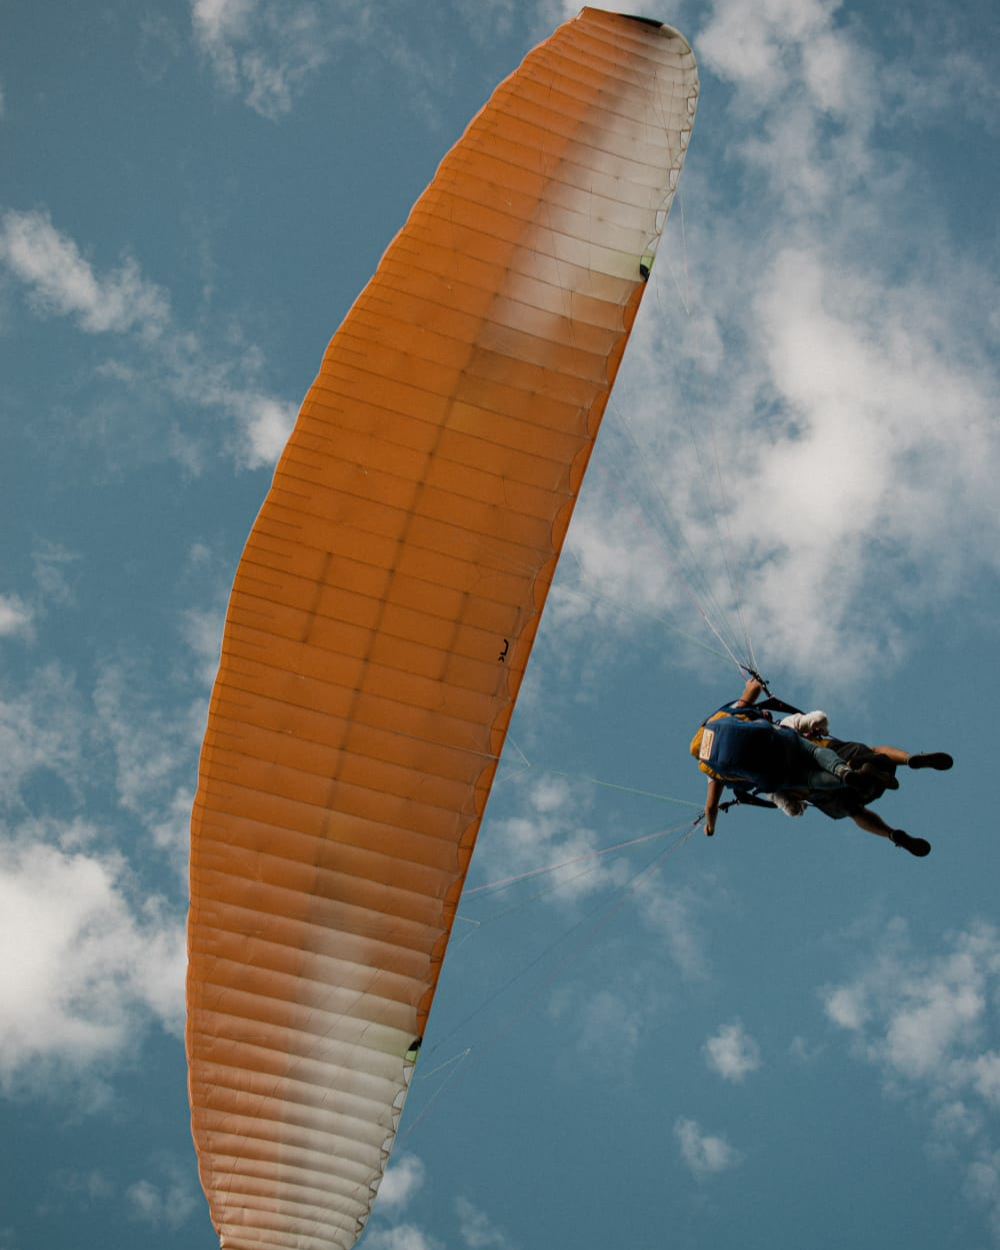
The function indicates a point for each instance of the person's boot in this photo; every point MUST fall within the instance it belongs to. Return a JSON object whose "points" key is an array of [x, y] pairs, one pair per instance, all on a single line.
{"points": [[940, 760], [916, 846]]}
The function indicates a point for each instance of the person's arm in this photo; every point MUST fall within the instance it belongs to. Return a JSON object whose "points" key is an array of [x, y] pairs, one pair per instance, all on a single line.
{"points": [[712, 799], [750, 693]]}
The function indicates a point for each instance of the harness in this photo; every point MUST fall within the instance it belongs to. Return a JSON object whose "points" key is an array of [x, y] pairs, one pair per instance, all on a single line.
{"points": [[727, 753], [712, 745]]}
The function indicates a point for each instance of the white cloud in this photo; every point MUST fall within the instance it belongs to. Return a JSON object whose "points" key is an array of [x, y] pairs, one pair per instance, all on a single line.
{"points": [[766, 47], [925, 1023], [846, 1006], [404, 1177], [918, 1018], [402, 1237], [218, 20], [704, 1153], [79, 971], [16, 617], [61, 281], [732, 1052], [817, 440], [924, 1030], [873, 465], [267, 425]]}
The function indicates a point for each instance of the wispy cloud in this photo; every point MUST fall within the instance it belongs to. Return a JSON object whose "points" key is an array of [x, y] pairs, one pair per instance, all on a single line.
{"points": [[157, 357], [144, 737], [42, 728], [22, 615], [704, 1153], [166, 1201], [201, 629], [267, 52], [54, 567], [477, 1230], [151, 747], [403, 1180], [940, 68], [544, 826], [549, 830], [263, 50], [675, 913], [607, 1024], [61, 281], [169, 826]]}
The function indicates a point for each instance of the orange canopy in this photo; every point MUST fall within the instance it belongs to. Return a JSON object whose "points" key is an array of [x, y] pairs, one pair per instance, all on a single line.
{"points": [[382, 615]]}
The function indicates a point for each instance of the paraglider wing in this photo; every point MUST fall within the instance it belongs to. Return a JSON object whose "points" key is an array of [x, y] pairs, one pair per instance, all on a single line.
{"points": [[382, 615]]}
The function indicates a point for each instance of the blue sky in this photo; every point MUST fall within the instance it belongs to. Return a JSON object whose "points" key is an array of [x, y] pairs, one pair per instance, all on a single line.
{"points": [[788, 1035]]}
